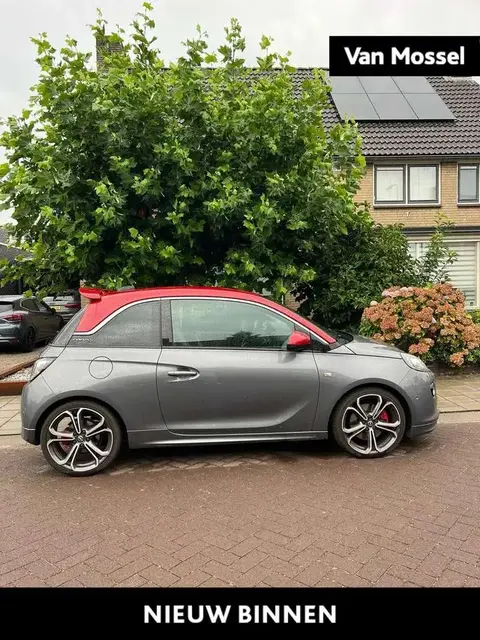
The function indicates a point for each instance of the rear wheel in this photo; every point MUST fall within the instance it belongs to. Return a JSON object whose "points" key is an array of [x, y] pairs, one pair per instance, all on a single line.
{"points": [[81, 438], [29, 340], [369, 423]]}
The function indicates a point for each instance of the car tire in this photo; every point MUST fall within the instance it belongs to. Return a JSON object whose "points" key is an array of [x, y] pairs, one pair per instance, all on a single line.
{"points": [[369, 423], [29, 340], [69, 449]]}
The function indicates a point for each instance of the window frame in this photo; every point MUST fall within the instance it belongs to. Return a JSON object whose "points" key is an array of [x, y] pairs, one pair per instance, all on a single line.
{"points": [[468, 165], [22, 305], [407, 201], [385, 167], [437, 183], [101, 325], [167, 327]]}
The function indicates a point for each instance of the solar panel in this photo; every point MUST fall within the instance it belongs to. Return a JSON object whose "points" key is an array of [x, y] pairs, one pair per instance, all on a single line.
{"points": [[354, 105], [346, 84], [392, 106], [379, 85], [429, 106], [387, 98], [413, 84]]}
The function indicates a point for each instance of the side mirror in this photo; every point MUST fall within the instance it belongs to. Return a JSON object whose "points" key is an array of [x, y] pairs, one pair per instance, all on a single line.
{"points": [[298, 341]]}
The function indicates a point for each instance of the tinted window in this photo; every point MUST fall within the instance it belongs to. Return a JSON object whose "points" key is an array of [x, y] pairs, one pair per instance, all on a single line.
{"points": [[29, 304], [43, 307], [64, 335], [227, 324], [136, 326], [468, 183]]}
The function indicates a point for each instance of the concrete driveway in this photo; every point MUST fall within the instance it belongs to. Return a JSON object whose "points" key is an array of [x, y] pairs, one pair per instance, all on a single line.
{"points": [[303, 515]]}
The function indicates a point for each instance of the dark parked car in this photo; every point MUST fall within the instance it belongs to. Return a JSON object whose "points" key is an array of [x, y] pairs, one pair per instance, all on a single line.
{"points": [[65, 303], [26, 321], [180, 365]]}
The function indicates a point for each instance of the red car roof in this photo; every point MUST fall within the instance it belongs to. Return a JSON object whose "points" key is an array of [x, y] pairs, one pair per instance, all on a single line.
{"points": [[104, 303]]}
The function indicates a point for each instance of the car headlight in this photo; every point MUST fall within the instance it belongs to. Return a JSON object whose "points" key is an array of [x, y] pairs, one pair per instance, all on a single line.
{"points": [[414, 363], [40, 365]]}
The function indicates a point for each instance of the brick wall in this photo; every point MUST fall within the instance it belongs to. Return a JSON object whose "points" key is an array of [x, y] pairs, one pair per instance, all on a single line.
{"points": [[413, 217]]}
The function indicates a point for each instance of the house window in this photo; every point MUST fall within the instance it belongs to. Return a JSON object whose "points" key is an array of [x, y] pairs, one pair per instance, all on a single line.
{"points": [[468, 183], [407, 184], [423, 184], [464, 272], [390, 184]]}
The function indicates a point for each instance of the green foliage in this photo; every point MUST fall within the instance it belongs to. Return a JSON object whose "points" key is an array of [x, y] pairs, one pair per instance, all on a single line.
{"points": [[475, 316], [362, 263], [142, 174]]}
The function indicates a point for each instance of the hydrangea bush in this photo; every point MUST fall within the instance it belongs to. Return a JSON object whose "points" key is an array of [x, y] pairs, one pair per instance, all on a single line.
{"points": [[430, 322]]}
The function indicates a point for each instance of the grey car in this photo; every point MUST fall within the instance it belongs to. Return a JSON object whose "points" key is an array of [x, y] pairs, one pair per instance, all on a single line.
{"points": [[27, 321], [173, 366], [66, 303]]}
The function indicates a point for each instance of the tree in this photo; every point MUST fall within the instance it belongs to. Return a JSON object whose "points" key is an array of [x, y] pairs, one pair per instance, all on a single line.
{"points": [[365, 262], [204, 171]]}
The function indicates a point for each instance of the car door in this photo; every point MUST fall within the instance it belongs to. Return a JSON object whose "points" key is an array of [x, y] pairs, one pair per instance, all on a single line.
{"points": [[50, 319], [224, 370], [35, 317]]}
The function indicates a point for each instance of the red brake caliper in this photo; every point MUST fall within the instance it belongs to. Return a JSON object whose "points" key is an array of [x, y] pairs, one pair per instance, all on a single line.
{"points": [[383, 417]]}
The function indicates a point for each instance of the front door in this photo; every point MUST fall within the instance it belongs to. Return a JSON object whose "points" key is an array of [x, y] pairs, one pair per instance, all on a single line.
{"points": [[50, 319], [224, 370]]}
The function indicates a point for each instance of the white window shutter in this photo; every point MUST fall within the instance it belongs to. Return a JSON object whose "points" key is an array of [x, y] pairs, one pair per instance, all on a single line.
{"points": [[463, 272]]}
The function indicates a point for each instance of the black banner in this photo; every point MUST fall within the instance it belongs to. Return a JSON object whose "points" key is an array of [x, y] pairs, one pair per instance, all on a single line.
{"points": [[325, 612], [404, 55]]}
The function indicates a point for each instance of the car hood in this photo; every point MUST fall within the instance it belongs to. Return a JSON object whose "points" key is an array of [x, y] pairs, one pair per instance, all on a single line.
{"points": [[362, 346]]}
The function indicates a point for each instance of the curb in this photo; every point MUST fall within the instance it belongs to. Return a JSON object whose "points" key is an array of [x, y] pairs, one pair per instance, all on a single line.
{"points": [[460, 411], [14, 387]]}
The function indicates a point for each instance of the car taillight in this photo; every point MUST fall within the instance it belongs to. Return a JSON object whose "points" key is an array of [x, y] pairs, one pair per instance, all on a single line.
{"points": [[40, 365], [72, 305], [13, 317]]}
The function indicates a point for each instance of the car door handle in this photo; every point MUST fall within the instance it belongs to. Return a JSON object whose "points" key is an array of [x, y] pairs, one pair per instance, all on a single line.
{"points": [[190, 373]]}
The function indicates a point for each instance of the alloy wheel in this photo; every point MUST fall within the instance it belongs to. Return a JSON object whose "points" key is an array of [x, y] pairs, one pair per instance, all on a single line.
{"points": [[79, 440], [371, 424]]}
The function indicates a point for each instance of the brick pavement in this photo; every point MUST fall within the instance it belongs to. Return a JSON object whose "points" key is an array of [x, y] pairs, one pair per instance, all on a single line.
{"points": [[278, 515]]}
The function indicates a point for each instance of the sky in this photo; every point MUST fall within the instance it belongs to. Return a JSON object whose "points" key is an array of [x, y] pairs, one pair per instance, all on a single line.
{"points": [[299, 26]]}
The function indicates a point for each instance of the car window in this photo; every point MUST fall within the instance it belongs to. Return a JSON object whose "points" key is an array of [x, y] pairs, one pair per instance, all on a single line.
{"points": [[135, 326], [63, 336], [30, 304], [228, 324], [43, 307]]}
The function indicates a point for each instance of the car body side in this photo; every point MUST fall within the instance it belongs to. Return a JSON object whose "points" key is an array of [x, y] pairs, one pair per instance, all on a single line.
{"points": [[132, 391]]}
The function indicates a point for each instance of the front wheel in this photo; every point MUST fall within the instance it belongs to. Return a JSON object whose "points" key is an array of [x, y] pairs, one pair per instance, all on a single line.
{"points": [[81, 438], [369, 423]]}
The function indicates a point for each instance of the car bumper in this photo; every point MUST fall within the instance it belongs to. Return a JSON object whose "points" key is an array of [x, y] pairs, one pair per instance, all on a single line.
{"points": [[10, 335], [34, 400], [418, 430], [422, 393]]}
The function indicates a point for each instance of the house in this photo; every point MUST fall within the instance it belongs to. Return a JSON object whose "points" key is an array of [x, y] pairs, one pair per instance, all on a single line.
{"points": [[421, 140], [10, 253]]}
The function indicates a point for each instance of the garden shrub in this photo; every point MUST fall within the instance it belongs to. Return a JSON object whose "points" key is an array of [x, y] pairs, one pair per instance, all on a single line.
{"points": [[430, 322], [475, 316]]}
